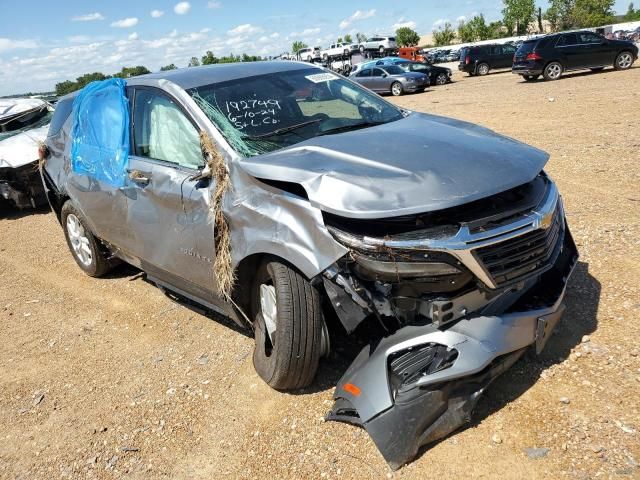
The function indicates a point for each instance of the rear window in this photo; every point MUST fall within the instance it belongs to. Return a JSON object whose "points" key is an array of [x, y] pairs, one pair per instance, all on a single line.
{"points": [[392, 39], [60, 115], [527, 47]]}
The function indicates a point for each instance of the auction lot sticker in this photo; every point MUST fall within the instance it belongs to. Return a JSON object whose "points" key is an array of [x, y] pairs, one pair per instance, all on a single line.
{"points": [[321, 77]]}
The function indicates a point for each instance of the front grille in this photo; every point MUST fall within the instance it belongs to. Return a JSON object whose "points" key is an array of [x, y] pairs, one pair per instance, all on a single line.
{"points": [[521, 256]]}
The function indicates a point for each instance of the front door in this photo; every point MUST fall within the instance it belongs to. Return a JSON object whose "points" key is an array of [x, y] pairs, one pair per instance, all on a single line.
{"points": [[379, 80], [593, 50], [364, 77], [166, 210]]}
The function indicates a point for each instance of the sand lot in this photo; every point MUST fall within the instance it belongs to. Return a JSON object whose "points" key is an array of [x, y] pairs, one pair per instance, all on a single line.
{"points": [[108, 378]]}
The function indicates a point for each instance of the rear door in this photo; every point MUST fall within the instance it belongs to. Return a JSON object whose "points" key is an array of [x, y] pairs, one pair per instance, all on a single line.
{"points": [[569, 50], [379, 80], [168, 212], [364, 77]]}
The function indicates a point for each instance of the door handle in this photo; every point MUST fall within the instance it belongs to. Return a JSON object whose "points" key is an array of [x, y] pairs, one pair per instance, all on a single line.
{"points": [[139, 177]]}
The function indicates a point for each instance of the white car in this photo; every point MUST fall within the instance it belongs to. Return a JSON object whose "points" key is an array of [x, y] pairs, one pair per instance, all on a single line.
{"points": [[337, 50], [381, 44], [309, 54]]}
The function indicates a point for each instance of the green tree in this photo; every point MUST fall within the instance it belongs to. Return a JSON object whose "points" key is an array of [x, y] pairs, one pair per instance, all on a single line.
{"points": [[171, 66], [559, 14], [128, 72], [632, 14], [339, 40], [465, 32], [348, 39], [496, 29], [444, 35], [407, 37], [477, 29], [65, 87], [360, 37], [297, 46], [194, 62], [592, 13], [209, 58], [518, 14]]}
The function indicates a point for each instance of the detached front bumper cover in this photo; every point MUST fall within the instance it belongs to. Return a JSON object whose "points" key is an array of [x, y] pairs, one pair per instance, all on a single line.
{"points": [[422, 382]]}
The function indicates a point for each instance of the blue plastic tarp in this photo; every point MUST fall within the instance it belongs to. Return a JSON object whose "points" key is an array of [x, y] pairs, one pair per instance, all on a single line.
{"points": [[100, 132]]}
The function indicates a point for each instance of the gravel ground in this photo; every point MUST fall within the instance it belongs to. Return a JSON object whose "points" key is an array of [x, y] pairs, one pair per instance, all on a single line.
{"points": [[109, 378]]}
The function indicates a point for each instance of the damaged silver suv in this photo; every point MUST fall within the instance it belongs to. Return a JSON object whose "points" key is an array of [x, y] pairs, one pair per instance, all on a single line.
{"points": [[275, 192]]}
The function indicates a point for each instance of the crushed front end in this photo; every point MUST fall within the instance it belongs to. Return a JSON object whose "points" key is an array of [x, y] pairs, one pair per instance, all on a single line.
{"points": [[461, 293]]}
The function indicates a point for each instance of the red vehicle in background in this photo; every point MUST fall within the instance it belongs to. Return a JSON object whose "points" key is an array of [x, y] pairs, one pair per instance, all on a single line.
{"points": [[412, 53]]}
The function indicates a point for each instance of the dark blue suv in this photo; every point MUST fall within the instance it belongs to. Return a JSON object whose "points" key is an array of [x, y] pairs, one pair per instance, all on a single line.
{"points": [[552, 55]]}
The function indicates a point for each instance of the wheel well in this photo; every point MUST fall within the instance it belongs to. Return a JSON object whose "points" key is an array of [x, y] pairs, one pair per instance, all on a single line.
{"points": [[56, 199]]}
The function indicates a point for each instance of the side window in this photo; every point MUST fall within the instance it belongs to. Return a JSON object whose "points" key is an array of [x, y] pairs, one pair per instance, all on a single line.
{"points": [[60, 115], [365, 73], [587, 37], [377, 72], [567, 40], [162, 132], [496, 50], [508, 49]]}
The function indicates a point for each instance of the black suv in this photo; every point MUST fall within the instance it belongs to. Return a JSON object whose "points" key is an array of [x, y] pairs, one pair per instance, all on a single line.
{"points": [[479, 59], [552, 55]]}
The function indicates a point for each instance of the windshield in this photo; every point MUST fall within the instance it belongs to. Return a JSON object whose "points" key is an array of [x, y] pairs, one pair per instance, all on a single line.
{"points": [[39, 119], [264, 113]]}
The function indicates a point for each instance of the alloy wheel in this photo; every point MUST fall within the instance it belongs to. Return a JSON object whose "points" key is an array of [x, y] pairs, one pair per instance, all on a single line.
{"points": [[269, 310], [625, 60], [441, 79], [396, 89], [79, 240], [554, 71]]}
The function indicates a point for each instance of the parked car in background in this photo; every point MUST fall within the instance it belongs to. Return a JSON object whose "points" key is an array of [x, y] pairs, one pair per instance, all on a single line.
{"points": [[481, 59], [380, 62], [391, 79], [379, 44], [413, 54], [309, 54], [437, 75], [552, 55], [337, 50], [23, 126]]}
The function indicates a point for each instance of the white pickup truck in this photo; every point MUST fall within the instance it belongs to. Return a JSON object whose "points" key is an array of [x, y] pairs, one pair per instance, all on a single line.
{"points": [[337, 50]]}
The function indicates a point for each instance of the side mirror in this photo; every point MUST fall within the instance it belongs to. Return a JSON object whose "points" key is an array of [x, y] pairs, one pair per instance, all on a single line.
{"points": [[384, 75]]}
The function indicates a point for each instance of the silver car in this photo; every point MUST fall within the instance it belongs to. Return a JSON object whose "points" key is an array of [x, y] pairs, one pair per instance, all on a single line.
{"points": [[282, 195], [390, 79]]}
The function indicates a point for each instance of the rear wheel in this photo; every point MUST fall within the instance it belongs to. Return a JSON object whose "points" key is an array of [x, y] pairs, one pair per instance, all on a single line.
{"points": [[441, 79], [381, 50], [396, 89], [624, 60], [482, 69], [361, 48], [290, 335], [83, 244], [530, 78], [553, 71]]}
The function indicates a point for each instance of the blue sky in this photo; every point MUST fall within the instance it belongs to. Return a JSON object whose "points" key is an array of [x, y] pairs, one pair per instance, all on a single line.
{"points": [[44, 42]]}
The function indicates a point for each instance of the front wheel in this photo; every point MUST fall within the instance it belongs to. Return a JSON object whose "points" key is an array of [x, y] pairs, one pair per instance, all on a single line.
{"points": [[441, 79], [381, 50], [361, 48], [530, 78], [83, 244], [624, 60], [290, 334], [553, 71], [396, 89]]}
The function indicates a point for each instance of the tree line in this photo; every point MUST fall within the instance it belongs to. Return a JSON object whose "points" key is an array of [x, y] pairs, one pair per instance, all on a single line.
{"points": [[519, 15], [208, 58]]}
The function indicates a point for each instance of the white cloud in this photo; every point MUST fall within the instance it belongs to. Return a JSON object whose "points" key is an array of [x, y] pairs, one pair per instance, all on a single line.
{"points": [[125, 23], [213, 4], [357, 15], [440, 23], [89, 17], [245, 29], [133, 36], [156, 13], [307, 32], [9, 44], [461, 18], [274, 35], [182, 8], [402, 24]]}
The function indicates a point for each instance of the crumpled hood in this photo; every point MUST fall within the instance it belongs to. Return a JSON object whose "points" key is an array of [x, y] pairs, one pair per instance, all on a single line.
{"points": [[417, 164], [22, 148]]}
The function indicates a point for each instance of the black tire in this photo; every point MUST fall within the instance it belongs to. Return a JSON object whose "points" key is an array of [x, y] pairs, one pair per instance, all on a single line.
{"points": [[99, 264], [530, 78], [441, 79], [624, 61], [396, 89], [599, 69], [361, 48], [553, 71], [291, 361], [381, 50], [482, 69]]}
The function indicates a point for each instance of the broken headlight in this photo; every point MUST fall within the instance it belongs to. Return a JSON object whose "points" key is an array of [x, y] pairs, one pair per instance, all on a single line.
{"points": [[394, 267]]}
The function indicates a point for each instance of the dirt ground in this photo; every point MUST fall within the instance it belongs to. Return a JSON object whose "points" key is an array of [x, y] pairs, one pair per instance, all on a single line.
{"points": [[109, 378]]}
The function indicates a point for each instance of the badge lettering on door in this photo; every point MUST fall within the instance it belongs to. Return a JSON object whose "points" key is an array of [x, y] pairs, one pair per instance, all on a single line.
{"points": [[192, 253]]}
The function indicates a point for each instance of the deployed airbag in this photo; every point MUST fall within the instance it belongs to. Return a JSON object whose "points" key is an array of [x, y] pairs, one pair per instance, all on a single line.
{"points": [[100, 132]]}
